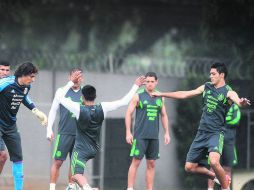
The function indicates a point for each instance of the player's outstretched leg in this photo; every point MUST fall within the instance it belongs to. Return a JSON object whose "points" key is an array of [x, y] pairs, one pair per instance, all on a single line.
{"points": [[219, 171]]}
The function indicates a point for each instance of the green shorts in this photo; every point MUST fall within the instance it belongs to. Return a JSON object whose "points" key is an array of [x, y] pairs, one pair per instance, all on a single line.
{"points": [[203, 144], [63, 145], [147, 147]]}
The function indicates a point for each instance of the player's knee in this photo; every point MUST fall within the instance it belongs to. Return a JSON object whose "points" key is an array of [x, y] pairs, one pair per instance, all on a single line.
{"points": [[58, 163], [150, 164], [189, 167], [135, 162], [214, 163], [73, 178], [3, 157]]}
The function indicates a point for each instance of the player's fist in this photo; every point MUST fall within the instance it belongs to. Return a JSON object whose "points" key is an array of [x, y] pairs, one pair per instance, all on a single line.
{"points": [[41, 116], [50, 134], [129, 138]]}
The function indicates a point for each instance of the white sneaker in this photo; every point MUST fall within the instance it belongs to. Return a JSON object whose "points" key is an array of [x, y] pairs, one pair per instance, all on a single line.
{"points": [[71, 187]]}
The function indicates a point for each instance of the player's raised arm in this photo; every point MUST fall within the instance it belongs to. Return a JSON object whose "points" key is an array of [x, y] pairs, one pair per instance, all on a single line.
{"points": [[73, 107], [232, 95], [110, 106], [180, 94]]}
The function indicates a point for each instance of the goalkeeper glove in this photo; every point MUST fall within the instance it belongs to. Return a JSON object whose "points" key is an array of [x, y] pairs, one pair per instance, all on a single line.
{"points": [[41, 116]]}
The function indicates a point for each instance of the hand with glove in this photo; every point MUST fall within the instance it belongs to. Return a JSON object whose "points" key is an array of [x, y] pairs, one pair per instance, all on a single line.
{"points": [[41, 116]]}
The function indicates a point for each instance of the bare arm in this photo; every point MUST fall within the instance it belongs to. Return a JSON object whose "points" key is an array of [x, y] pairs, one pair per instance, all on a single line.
{"points": [[181, 94], [73, 107], [164, 120], [232, 95], [128, 116]]}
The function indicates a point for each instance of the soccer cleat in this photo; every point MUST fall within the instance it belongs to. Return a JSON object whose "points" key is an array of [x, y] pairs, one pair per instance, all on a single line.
{"points": [[216, 180], [227, 177]]}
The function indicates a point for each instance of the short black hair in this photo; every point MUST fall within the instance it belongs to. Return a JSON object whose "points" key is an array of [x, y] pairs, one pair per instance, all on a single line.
{"points": [[4, 63], [25, 69], [221, 68], [151, 74], [75, 69], [89, 92]]}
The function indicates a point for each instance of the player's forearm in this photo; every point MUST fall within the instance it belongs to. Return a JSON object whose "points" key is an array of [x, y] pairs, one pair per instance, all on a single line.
{"points": [[128, 123], [176, 95], [52, 116], [73, 107], [67, 87], [164, 120], [127, 98], [110, 106]]}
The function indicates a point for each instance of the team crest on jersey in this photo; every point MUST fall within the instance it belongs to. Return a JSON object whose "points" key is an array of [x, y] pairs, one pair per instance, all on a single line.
{"points": [[220, 97], [25, 90], [159, 102]]}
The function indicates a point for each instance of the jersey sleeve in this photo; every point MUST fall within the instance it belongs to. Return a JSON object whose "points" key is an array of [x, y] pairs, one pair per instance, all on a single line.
{"points": [[4, 82], [53, 111], [28, 102], [110, 106], [72, 106]]}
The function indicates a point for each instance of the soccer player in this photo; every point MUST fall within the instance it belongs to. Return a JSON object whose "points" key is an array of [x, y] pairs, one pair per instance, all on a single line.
{"points": [[229, 156], [4, 69], [89, 121], [66, 131], [146, 130], [14, 91], [4, 72], [217, 97]]}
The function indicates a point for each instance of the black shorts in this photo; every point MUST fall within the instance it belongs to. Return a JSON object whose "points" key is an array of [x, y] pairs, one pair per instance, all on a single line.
{"points": [[63, 145], [11, 138], [147, 147], [229, 156], [204, 143], [2, 145]]}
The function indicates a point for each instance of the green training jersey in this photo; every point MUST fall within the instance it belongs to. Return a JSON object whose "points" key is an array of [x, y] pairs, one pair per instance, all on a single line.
{"points": [[233, 116], [67, 122], [89, 126], [147, 116], [215, 107]]}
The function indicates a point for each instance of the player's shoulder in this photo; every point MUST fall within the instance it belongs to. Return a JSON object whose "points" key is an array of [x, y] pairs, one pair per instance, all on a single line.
{"points": [[7, 80], [208, 83], [229, 88]]}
